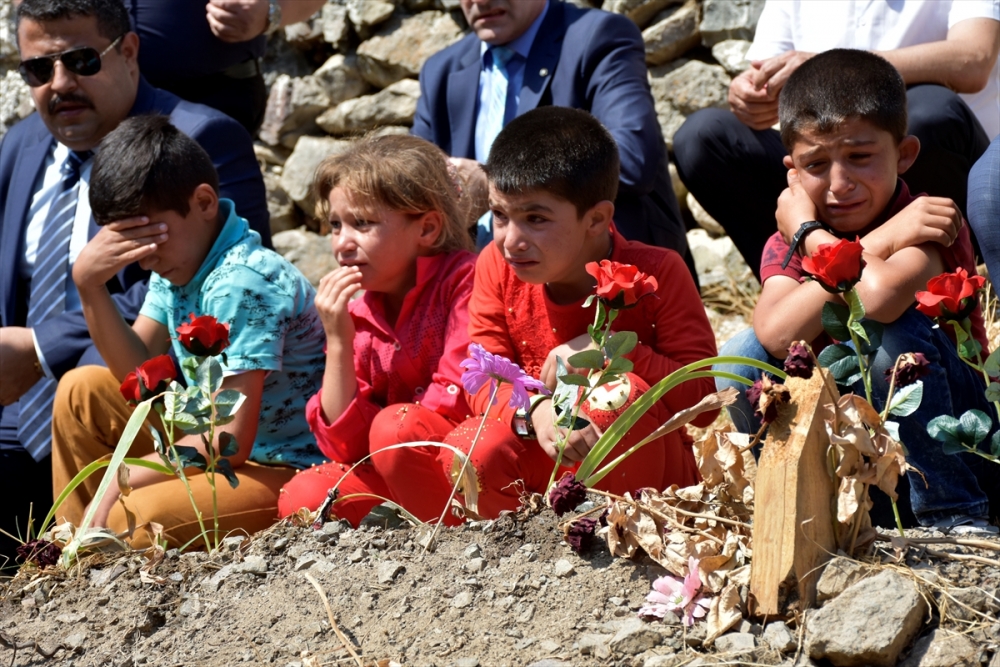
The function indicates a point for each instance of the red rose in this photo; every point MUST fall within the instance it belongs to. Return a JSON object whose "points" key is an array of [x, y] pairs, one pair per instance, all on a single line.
{"points": [[951, 296], [620, 285], [203, 336], [836, 266], [149, 379]]}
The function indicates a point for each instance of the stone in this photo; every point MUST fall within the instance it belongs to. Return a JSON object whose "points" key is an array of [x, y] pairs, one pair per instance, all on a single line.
{"points": [[640, 11], [692, 86], [311, 254], [462, 600], [963, 603], [563, 568], [367, 13], [779, 637], [304, 35], [718, 261], [395, 105], [251, 565], [15, 100], [673, 33], [550, 662], [838, 574], [735, 642], [548, 646], [466, 662], [283, 58], [306, 561], [704, 220], [473, 551], [340, 78], [634, 637], [474, 565], [297, 175], [291, 104], [731, 54], [190, 607], [336, 26], [75, 640], [594, 644], [943, 649], [843, 631], [662, 661], [402, 46], [389, 570], [729, 19]]}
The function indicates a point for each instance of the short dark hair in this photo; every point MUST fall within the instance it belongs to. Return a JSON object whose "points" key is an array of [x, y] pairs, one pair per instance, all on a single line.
{"points": [[146, 164], [564, 151], [837, 85], [112, 16]]}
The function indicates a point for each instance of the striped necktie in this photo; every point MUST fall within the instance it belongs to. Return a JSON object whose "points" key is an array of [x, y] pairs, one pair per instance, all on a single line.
{"points": [[497, 108], [47, 299]]}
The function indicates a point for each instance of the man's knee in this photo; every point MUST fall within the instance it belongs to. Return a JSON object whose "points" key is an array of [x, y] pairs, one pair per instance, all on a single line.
{"points": [[84, 387], [933, 109], [704, 129]]}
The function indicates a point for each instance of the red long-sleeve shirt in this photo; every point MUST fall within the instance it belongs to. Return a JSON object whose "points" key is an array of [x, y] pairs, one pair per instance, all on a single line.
{"points": [[517, 320], [415, 362]]}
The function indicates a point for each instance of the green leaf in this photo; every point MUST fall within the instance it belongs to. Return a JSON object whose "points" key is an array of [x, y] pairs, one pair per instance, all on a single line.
{"points": [[174, 403], [575, 379], [620, 344], [226, 468], [620, 365], [590, 359], [975, 426], [228, 446], [969, 349], [993, 392], [952, 448], [995, 445], [854, 303], [992, 364], [859, 330], [189, 365], [209, 376], [842, 362], [227, 403], [944, 428], [892, 428], [601, 317], [190, 457], [834, 320], [590, 300], [182, 420], [906, 400], [873, 332]]}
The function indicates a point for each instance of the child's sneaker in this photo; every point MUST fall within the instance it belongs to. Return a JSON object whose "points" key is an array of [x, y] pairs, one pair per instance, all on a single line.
{"points": [[967, 526]]}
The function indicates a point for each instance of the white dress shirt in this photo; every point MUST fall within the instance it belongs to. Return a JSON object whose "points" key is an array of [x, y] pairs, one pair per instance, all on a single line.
{"points": [[815, 26]]}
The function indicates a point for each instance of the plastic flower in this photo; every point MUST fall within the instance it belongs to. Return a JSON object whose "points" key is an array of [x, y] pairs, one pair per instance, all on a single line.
{"points": [[580, 534], [765, 396], [203, 336], [483, 367], [911, 368], [39, 552], [620, 285], [566, 494], [836, 266], [671, 594], [149, 379], [799, 362], [950, 296]]}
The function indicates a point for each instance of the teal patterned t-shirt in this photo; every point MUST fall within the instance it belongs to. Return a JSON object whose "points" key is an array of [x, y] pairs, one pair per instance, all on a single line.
{"points": [[273, 326]]}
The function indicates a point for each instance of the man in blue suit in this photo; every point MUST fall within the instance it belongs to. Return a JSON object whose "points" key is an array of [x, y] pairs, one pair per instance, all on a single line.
{"points": [[80, 59], [523, 54]]}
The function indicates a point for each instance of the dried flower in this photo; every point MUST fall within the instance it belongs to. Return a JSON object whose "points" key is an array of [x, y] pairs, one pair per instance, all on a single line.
{"points": [[203, 336], [485, 367], [765, 396], [151, 378], [620, 285], [836, 266], [799, 362], [950, 296], [910, 367], [671, 594], [566, 494], [40, 552], [580, 534]]}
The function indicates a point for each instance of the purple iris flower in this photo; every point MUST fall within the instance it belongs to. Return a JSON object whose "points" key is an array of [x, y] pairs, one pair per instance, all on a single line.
{"points": [[483, 367]]}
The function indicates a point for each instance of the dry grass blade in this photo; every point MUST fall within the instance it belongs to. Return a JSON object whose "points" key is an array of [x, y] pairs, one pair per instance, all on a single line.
{"points": [[733, 297], [333, 621]]}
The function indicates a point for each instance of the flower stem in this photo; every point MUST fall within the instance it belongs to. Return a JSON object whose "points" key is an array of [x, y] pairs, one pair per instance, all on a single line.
{"points": [[885, 415]]}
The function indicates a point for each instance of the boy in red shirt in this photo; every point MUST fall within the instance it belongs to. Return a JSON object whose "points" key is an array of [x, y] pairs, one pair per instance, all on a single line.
{"points": [[553, 175], [843, 121]]}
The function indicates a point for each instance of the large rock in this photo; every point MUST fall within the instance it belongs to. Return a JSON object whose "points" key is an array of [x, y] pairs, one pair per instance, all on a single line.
{"points": [[297, 175], [15, 100], [9, 56], [340, 78], [402, 46], [717, 260], [703, 218], [729, 19], [309, 252], [292, 104], [867, 624], [640, 11], [837, 576], [732, 55], [673, 33], [692, 86], [336, 25], [943, 649], [280, 206], [367, 13], [395, 105]]}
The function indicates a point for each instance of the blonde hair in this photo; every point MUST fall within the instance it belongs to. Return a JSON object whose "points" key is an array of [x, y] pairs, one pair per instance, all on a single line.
{"points": [[402, 173]]}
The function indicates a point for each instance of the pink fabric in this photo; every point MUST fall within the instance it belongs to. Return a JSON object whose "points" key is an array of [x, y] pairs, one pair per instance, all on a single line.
{"points": [[415, 362]]}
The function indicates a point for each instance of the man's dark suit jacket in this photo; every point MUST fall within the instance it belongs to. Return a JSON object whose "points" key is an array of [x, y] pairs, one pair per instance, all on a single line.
{"points": [[585, 59], [64, 340]]}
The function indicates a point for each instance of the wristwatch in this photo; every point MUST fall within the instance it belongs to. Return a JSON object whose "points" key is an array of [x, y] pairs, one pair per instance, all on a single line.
{"points": [[522, 419], [273, 16], [804, 229]]}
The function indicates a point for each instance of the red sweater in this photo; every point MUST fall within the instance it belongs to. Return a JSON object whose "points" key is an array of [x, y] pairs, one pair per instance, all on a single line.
{"points": [[415, 362], [518, 320]]}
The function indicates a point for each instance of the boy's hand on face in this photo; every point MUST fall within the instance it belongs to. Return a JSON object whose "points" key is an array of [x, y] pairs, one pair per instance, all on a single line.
{"points": [[565, 351], [755, 107], [794, 207], [114, 247], [924, 220], [580, 441], [332, 298]]}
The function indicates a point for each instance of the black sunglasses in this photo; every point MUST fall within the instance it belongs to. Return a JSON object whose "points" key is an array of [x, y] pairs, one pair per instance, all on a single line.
{"points": [[84, 61]]}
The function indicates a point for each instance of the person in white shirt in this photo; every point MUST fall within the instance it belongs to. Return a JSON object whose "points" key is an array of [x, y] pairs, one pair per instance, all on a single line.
{"points": [[946, 51]]}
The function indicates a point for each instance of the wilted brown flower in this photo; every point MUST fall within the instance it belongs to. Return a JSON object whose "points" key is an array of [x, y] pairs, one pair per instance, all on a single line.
{"points": [[910, 367], [580, 534], [765, 396], [799, 362], [40, 552], [566, 494]]}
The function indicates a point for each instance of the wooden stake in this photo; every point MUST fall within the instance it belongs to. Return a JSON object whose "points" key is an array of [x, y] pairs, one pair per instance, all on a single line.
{"points": [[793, 533]]}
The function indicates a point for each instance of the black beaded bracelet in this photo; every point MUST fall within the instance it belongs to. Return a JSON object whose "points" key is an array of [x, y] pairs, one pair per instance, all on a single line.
{"points": [[804, 229]]}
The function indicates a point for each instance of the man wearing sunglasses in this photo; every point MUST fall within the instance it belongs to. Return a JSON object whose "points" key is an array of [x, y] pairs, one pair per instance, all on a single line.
{"points": [[80, 59]]}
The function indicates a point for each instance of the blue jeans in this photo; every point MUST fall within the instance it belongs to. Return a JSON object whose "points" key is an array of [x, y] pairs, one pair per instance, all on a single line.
{"points": [[984, 207], [957, 485]]}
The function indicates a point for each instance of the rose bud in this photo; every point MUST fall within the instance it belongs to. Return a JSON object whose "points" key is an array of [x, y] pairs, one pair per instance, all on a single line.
{"points": [[799, 362], [203, 336], [620, 285], [566, 494], [950, 296], [909, 368], [836, 266]]}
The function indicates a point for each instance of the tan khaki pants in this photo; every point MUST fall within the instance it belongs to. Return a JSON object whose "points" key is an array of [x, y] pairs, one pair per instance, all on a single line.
{"points": [[88, 418]]}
